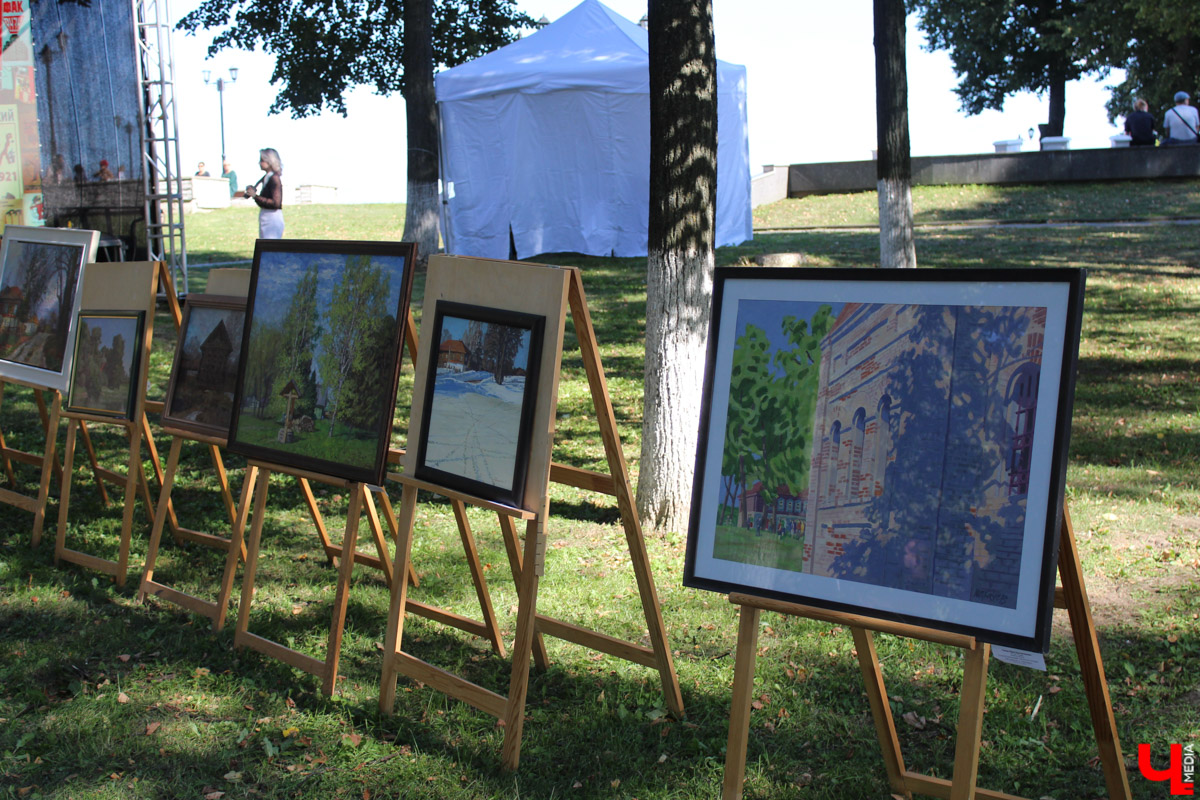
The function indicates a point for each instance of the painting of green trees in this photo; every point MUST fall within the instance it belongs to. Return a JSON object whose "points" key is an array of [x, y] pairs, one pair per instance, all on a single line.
{"points": [[107, 348], [768, 445], [317, 386]]}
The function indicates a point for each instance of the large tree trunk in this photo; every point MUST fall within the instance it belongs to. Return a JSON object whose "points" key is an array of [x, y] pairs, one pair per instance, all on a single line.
{"points": [[894, 165], [421, 212], [683, 190], [1058, 102]]}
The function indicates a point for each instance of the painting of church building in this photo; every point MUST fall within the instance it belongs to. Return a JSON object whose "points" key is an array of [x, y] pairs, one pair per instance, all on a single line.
{"points": [[920, 463]]}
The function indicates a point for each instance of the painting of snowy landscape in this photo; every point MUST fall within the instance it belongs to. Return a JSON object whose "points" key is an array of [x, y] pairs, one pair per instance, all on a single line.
{"points": [[480, 394]]}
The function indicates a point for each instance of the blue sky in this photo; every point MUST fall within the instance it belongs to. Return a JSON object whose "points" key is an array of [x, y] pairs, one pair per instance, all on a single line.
{"points": [[811, 97]]}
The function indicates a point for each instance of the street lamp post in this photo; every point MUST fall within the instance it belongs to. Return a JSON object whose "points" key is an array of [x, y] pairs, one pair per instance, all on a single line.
{"points": [[233, 71]]}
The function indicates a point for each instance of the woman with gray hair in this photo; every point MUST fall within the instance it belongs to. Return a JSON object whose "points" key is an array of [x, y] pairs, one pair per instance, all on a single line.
{"points": [[270, 198]]}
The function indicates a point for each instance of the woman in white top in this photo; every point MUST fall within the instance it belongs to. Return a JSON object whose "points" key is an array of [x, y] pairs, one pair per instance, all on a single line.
{"points": [[270, 198]]}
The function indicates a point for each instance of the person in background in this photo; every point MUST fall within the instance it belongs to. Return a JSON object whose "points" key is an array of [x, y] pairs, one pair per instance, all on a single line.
{"points": [[1140, 125], [270, 197], [104, 173], [201, 172], [1182, 122], [228, 174]]}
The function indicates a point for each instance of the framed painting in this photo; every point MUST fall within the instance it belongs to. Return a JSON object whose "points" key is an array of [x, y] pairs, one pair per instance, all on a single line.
{"points": [[320, 356], [204, 373], [480, 391], [40, 273], [890, 443], [108, 358]]}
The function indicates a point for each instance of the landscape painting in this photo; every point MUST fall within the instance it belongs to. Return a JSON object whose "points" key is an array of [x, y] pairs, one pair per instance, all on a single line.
{"points": [[480, 393], [204, 375], [896, 446], [107, 361], [319, 365], [39, 288]]}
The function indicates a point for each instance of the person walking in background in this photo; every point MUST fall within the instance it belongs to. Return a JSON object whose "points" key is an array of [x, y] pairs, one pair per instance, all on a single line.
{"points": [[228, 174], [1182, 122], [201, 172], [1140, 125], [270, 198]]}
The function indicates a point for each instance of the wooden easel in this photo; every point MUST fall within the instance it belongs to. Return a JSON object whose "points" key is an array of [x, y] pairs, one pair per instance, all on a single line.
{"points": [[128, 285], [488, 280], [1070, 595], [47, 461], [258, 475]]}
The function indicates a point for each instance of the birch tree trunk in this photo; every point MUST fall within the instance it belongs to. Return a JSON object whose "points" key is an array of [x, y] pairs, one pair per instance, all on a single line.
{"points": [[421, 212], [894, 165], [679, 267]]}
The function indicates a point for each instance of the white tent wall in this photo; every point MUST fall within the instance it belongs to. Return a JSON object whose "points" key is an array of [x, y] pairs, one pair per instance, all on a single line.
{"points": [[551, 136]]}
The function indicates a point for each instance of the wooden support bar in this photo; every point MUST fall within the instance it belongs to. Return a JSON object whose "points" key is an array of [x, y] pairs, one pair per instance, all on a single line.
{"points": [[583, 479], [153, 406], [49, 465], [471, 626], [855, 621], [394, 637], [87, 560], [518, 687], [303, 474], [881, 709], [384, 562], [310, 500], [477, 578], [450, 684], [597, 641], [512, 545], [25, 458], [518, 513], [21, 501], [101, 473], [333, 650], [970, 722], [940, 787], [237, 545], [293, 658], [193, 604]]}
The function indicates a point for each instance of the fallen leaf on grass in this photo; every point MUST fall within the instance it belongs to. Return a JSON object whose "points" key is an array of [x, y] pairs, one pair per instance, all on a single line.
{"points": [[152, 727], [353, 738], [122, 697], [232, 777], [615, 782], [214, 795], [914, 720], [123, 658]]}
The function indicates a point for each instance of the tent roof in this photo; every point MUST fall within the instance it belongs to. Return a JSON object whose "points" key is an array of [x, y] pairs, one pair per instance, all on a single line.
{"points": [[589, 46]]}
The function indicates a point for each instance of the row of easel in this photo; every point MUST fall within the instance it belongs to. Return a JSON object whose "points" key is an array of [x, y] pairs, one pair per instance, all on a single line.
{"points": [[527, 565]]}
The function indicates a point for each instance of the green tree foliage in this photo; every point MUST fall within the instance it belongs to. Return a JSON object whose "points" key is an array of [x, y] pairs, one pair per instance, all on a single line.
{"points": [[300, 328], [772, 403], [326, 47], [357, 309], [263, 366], [369, 381], [1009, 46], [115, 373], [1156, 42], [500, 347]]}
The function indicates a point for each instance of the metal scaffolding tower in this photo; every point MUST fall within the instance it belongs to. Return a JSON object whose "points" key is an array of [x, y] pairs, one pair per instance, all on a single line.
{"points": [[161, 176]]}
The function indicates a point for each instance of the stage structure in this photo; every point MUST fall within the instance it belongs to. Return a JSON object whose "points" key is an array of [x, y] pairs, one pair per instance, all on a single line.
{"points": [[88, 136]]}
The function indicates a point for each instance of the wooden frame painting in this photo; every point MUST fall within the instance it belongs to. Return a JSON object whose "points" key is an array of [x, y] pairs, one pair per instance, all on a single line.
{"points": [[320, 360], [204, 373], [890, 443], [40, 276], [107, 365], [480, 392]]}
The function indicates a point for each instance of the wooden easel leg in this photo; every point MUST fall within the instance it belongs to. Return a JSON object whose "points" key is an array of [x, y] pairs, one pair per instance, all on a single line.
{"points": [[512, 545], [260, 512], [394, 527], [970, 722], [385, 561], [91, 454], [49, 461], [237, 545], [395, 627], [167, 285], [590, 350], [45, 416], [743, 695], [881, 710], [223, 480], [160, 516], [311, 501], [1091, 667], [131, 487], [481, 591], [518, 687], [8, 470], [338, 623], [64, 496], [148, 437]]}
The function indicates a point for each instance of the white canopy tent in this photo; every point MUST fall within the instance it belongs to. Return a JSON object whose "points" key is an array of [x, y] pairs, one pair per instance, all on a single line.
{"points": [[550, 137]]}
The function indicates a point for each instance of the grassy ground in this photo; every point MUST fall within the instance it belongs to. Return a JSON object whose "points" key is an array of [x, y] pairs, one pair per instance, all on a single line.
{"points": [[102, 697]]}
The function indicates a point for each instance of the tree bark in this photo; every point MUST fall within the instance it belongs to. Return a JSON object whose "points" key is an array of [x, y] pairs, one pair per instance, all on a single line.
{"points": [[1058, 102], [894, 164], [421, 211], [679, 267]]}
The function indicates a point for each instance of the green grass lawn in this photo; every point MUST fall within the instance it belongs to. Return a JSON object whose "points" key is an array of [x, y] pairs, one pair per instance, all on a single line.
{"points": [[103, 697]]}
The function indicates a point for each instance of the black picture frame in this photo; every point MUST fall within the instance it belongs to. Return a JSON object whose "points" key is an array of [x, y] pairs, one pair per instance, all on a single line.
{"points": [[347, 304], [489, 460], [104, 382], [200, 393], [889, 443]]}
